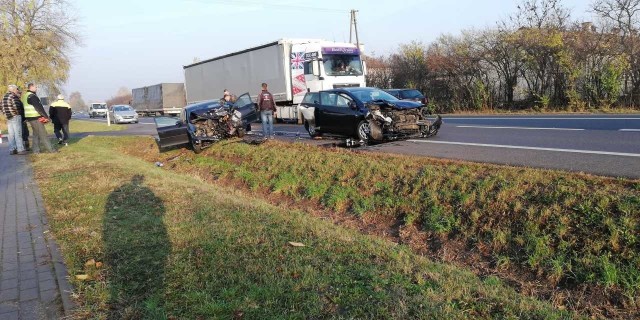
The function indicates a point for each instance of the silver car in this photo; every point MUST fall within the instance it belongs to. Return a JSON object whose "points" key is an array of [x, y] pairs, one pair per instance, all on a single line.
{"points": [[122, 113]]}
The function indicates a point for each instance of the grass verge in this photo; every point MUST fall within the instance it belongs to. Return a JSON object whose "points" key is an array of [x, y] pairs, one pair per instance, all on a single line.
{"points": [[84, 126], [576, 234], [75, 126], [159, 244]]}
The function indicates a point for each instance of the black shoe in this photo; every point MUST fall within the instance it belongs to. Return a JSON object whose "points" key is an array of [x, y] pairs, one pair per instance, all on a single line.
{"points": [[12, 152], [60, 141]]}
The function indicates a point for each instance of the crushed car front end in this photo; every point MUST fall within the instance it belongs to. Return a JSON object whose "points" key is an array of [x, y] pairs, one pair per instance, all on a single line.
{"points": [[400, 120], [207, 126]]}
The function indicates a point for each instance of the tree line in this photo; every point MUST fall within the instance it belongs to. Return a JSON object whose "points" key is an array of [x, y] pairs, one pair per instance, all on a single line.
{"points": [[538, 58]]}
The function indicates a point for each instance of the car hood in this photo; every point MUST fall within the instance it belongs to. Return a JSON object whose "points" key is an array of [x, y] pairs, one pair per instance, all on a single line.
{"points": [[124, 113], [399, 104]]}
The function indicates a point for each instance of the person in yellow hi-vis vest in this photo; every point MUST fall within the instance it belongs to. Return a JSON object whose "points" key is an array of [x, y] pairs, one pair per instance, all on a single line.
{"points": [[36, 116], [60, 112]]}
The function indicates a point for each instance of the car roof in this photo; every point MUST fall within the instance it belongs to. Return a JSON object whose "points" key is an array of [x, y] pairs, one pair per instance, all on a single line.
{"points": [[202, 104], [351, 89]]}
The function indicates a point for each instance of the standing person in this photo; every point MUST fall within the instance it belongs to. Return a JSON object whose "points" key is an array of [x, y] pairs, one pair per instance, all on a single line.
{"points": [[60, 112], [11, 106], [25, 127], [267, 107], [37, 117]]}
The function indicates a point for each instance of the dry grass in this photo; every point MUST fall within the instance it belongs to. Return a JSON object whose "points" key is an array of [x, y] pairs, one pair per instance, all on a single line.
{"points": [[177, 247], [569, 231]]}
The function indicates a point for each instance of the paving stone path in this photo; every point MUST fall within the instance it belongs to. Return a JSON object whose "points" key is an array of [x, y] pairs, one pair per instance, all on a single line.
{"points": [[33, 278]]}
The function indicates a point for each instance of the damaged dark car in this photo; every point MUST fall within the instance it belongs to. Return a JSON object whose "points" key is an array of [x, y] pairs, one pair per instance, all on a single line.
{"points": [[366, 115], [205, 123]]}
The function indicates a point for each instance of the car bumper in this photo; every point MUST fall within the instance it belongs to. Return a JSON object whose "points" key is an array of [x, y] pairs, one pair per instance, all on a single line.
{"points": [[126, 120]]}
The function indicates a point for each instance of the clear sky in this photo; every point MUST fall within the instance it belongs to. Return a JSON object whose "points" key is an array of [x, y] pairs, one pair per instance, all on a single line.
{"points": [[137, 43]]}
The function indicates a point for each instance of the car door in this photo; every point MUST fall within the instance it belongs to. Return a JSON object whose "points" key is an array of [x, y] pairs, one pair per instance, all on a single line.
{"points": [[325, 112], [172, 132], [347, 115], [245, 105], [336, 115]]}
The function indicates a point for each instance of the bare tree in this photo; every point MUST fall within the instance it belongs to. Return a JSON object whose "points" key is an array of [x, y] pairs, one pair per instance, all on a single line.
{"points": [[123, 96], [76, 101], [541, 14], [625, 16], [36, 37]]}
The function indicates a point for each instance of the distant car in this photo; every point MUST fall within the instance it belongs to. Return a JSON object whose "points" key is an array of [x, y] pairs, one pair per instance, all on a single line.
{"points": [[367, 114], [408, 94], [122, 113], [204, 123], [98, 110]]}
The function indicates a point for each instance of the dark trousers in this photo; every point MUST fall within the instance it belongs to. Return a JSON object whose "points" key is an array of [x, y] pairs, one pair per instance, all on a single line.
{"points": [[61, 131], [39, 133], [25, 134]]}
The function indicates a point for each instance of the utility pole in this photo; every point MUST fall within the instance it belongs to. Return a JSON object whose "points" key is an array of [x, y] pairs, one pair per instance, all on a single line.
{"points": [[353, 25]]}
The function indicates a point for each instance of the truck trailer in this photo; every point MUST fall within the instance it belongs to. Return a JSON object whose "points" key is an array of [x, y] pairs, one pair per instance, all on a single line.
{"points": [[159, 99], [291, 67]]}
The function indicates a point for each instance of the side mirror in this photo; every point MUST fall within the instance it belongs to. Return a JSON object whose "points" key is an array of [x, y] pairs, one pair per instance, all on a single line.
{"points": [[364, 68], [316, 68], [353, 105]]}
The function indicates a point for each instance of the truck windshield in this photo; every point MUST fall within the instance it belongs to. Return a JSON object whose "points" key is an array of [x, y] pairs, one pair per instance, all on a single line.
{"points": [[342, 65]]}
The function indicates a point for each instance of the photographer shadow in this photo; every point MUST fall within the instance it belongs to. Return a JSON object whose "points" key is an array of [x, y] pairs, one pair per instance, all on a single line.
{"points": [[136, 250]]}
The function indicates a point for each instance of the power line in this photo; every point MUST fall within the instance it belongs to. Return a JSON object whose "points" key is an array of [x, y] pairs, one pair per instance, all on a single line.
{"points": [[239, 3]]}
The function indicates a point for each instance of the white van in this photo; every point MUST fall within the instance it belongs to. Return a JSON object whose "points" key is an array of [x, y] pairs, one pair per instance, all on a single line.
{"points": [[98, 110]]}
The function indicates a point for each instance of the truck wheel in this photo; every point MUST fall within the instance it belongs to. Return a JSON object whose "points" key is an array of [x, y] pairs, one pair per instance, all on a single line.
{"points": [[311, 129], [363, 130]]}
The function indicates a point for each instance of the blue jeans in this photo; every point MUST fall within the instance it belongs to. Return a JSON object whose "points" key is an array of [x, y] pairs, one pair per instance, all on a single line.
{"points": [[267, 123], [15, 133]]}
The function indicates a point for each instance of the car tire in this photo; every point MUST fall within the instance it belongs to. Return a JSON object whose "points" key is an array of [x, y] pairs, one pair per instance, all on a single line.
{"points": [[311, 130], [241, 132], [196, 147], [363, 130]]}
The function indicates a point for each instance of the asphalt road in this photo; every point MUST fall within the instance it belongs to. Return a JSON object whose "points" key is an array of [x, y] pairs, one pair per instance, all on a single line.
{"points": [[606, 145]]}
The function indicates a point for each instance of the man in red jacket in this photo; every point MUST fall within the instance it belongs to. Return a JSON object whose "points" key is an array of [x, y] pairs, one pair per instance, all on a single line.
{"points": [[267, 107]]}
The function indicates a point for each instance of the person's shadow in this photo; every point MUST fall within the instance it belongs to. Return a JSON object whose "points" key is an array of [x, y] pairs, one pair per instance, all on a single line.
{"points": [[136, 250]]}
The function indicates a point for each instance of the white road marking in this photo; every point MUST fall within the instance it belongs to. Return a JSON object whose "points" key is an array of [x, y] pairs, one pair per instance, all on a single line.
{"points": [[520, 128], [540, 118], [631, 130], [622, 154]]}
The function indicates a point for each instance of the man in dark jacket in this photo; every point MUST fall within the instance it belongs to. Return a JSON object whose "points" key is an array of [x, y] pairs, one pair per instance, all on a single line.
{"points": [[25, 127], [60, 112], [37, 117], [10, 107], [267, 107]]}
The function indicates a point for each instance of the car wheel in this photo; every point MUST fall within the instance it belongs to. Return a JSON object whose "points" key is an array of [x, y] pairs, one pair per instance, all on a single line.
{"points": [[311, 129], [197, 148], [241, 132], [363, 130]]}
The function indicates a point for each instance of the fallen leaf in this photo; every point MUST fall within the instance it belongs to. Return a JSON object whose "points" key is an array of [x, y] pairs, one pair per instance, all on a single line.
{"points": [[296, 244], [90, 263], [82, 276], [98, 264]]}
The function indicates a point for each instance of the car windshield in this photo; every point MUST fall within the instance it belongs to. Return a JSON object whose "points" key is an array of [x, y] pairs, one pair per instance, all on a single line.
{"points": [[342, 65], [372, 95], [122, 108], [99, 106], [412, 94]]}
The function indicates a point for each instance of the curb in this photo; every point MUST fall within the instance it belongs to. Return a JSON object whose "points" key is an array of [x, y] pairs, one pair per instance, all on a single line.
{"points": [[59, 269]]}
